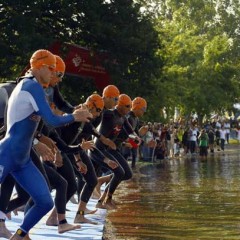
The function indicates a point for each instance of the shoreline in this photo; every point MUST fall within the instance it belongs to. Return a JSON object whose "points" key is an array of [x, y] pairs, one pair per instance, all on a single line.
{"points": [[109, 231]]}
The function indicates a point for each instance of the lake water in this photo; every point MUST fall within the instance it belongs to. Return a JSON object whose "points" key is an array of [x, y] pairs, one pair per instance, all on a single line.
{"points": [[180, 199]]}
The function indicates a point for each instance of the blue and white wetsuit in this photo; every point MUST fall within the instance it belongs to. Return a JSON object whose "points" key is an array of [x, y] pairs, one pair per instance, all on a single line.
{"points": [[26, 106]]}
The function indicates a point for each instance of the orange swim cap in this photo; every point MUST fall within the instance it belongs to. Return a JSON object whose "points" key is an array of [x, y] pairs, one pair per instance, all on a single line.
{"points": [[42, 57], [96, 101], [124, 100], [111, 91], [60, 64], [139, 103]]}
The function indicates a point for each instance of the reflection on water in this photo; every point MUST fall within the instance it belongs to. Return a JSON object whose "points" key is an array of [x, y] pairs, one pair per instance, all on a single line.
{"points": [[181, 199]]}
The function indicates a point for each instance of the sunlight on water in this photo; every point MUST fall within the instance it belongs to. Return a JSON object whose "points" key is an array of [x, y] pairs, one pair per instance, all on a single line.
{"points": [[181, 199]]}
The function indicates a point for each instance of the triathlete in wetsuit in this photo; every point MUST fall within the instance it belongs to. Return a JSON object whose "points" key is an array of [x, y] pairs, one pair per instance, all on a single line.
{"points": [[130, 145], [27, 105], [110, 126], [55, 180], [65, 170], [81, 132], [110, 97]]}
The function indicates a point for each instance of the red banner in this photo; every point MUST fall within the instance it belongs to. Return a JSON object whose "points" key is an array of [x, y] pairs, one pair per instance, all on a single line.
{"points": [[80, 62]]}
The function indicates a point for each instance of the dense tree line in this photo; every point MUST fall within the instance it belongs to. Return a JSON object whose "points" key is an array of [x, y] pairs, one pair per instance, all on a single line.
{"points": [[201, 54], [181, 54]]}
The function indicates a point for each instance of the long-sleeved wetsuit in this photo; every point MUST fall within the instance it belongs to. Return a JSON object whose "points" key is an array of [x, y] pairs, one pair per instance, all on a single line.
{"points": [[110, 127], [26, 106]]}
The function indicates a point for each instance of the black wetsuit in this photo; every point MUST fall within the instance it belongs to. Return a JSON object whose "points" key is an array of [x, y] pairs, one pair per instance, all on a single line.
{"points": [[5, 92], [123, 136], [74, 134], [66, 171], [111, 125]]}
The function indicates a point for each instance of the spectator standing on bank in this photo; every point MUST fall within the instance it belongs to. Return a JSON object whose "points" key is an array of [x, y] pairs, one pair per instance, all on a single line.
{"points": [[146, 148], [217, 134], [193, 139], [223, 133], [211, 139], [227, 128], [203, 144]]}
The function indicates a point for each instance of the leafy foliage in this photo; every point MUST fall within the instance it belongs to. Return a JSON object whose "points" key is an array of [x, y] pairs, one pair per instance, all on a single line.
{"points": [[181, 54], [201, 68]]}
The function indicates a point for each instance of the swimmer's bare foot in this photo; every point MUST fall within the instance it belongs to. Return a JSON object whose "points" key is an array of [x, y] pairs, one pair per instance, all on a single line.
{"points": [[88, 211], [9, 216], [111, 204], [15, 211], [65, 227], [81, 219], [15, 236], [53, 218], [52, 221], [103, 206], [73, 200], [4, 232]]}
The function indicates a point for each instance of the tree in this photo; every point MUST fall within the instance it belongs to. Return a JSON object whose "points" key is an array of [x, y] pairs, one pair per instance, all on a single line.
{"points": [[116, 27], [200, 67]]}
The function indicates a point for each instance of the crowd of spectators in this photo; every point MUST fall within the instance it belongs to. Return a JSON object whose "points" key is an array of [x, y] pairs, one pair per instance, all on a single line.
{"points": [[167, 141]]}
